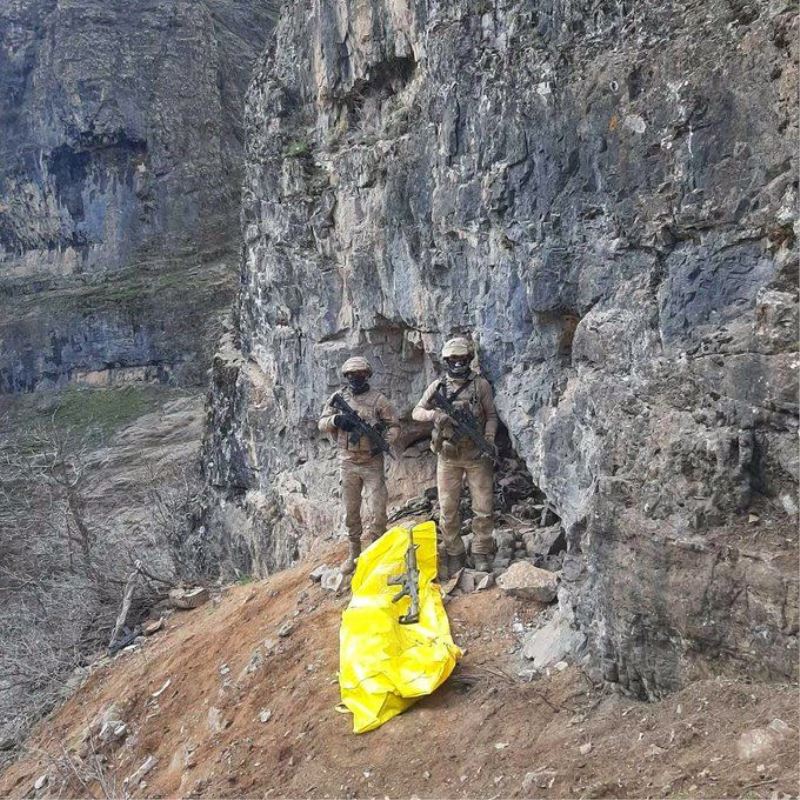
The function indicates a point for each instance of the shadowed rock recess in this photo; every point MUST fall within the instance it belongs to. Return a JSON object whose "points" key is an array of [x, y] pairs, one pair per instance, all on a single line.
{"points": [[120, 167], [603, 193]]}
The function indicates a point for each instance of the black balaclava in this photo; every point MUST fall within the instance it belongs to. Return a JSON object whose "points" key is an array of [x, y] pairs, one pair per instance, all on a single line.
{"points": [[358, 382], [458, 366]]}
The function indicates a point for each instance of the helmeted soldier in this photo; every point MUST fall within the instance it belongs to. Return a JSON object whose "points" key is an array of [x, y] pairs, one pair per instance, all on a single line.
{"points": [[459, 457], [361, 465]]}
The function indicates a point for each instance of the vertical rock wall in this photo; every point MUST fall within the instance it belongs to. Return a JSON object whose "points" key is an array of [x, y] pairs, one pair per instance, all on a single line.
{"points": [[603, 194]]}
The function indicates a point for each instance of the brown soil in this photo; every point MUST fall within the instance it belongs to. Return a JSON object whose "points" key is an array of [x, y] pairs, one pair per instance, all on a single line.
{"points": [[477, 736]]}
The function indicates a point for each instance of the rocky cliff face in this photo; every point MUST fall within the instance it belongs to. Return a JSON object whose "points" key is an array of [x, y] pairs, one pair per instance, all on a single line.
{"points": [[603, 194], [121, 130]]}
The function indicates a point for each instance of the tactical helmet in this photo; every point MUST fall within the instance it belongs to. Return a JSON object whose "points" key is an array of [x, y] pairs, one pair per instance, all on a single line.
{"points": [[458, 346], [356, 364]]}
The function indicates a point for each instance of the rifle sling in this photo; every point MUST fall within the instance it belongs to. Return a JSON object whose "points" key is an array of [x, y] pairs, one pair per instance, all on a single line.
{"points": [[456, 393]]}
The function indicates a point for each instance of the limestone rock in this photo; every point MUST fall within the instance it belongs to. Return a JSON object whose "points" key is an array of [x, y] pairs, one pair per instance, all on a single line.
{"points": [[544, 541], [186, 599], [332, 580], [153, 627], [540, 779], [552, 643], [761, 743], [527, 582], [146, 766]]}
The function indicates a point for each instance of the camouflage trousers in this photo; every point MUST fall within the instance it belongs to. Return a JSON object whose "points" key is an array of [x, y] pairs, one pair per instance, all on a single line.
{"points": [[364, 481], [449, 478]]}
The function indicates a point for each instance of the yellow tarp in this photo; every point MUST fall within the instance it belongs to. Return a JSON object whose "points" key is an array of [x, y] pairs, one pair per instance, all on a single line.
{"points": [[385, 666]]}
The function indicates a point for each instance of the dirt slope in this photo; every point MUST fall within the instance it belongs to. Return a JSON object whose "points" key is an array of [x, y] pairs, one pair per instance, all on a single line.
{"points": [[224, 665]]}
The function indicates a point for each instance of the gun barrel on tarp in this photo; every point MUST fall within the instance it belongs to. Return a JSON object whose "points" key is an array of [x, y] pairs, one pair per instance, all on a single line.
{"points": [[409, 581]]}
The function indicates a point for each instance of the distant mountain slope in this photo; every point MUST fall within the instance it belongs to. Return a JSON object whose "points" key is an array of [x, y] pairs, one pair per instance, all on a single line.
{"points": [[120, 168]]}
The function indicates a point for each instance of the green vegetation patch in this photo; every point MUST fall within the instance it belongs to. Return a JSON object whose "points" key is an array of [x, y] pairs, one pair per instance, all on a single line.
{"points": [[103, 412], [297, 149]]}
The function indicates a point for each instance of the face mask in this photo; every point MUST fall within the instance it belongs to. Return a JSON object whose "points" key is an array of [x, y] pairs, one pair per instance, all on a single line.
{"points": [[358, 383], [458, 367]]}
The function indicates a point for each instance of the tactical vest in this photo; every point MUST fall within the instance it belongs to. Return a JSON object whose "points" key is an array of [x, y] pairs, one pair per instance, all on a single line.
{"points": [[466, 396], [366, 406]]}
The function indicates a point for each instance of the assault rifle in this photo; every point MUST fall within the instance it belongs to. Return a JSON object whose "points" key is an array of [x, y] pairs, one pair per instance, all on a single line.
{"points": [[464, 423], [360, 428], [409, 580]]}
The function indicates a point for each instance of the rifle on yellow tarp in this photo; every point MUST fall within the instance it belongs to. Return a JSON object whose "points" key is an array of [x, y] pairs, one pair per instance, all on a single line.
{"points": [[409, 580]]}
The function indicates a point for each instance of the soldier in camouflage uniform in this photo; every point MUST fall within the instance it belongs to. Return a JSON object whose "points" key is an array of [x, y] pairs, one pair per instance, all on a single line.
{"points": [[458, 458], [361, 467]]}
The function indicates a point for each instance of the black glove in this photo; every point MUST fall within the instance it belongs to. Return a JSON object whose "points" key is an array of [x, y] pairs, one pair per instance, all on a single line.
{"points": [[343, 423]]}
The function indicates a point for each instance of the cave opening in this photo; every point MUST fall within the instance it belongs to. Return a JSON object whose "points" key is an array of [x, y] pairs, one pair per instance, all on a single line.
{"points": [[526, 525]]}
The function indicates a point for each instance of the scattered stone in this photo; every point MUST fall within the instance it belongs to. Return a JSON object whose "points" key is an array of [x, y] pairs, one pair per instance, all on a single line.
{"points": [[224, 670], [753, 519], [585, 749], [545, 541], [541, 779], [105, 725], [189, 757], [527, 582], [332, 580], [467, 581], [121, 731], [560, 666], [316, 574], [265, 715], [153, 627], [75, 681], [189, 598], [136, 777], [286, 629], [452, 583], [216, 724], [760, 743], [40, 782], [552, 643], [486, 582], [789, 504]]}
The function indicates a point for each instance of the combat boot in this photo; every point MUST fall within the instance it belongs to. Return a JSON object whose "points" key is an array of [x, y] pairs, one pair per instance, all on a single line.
{"points": [[349, 564], [483, 562], [455, 563]]}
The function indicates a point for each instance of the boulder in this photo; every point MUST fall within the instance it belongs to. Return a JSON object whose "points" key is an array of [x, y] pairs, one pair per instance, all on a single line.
{"points": [[486, 582], [332, 579], [527, 582], [760, 743], [553, 643], [545, 541], [540, 779], [189, 598]]}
